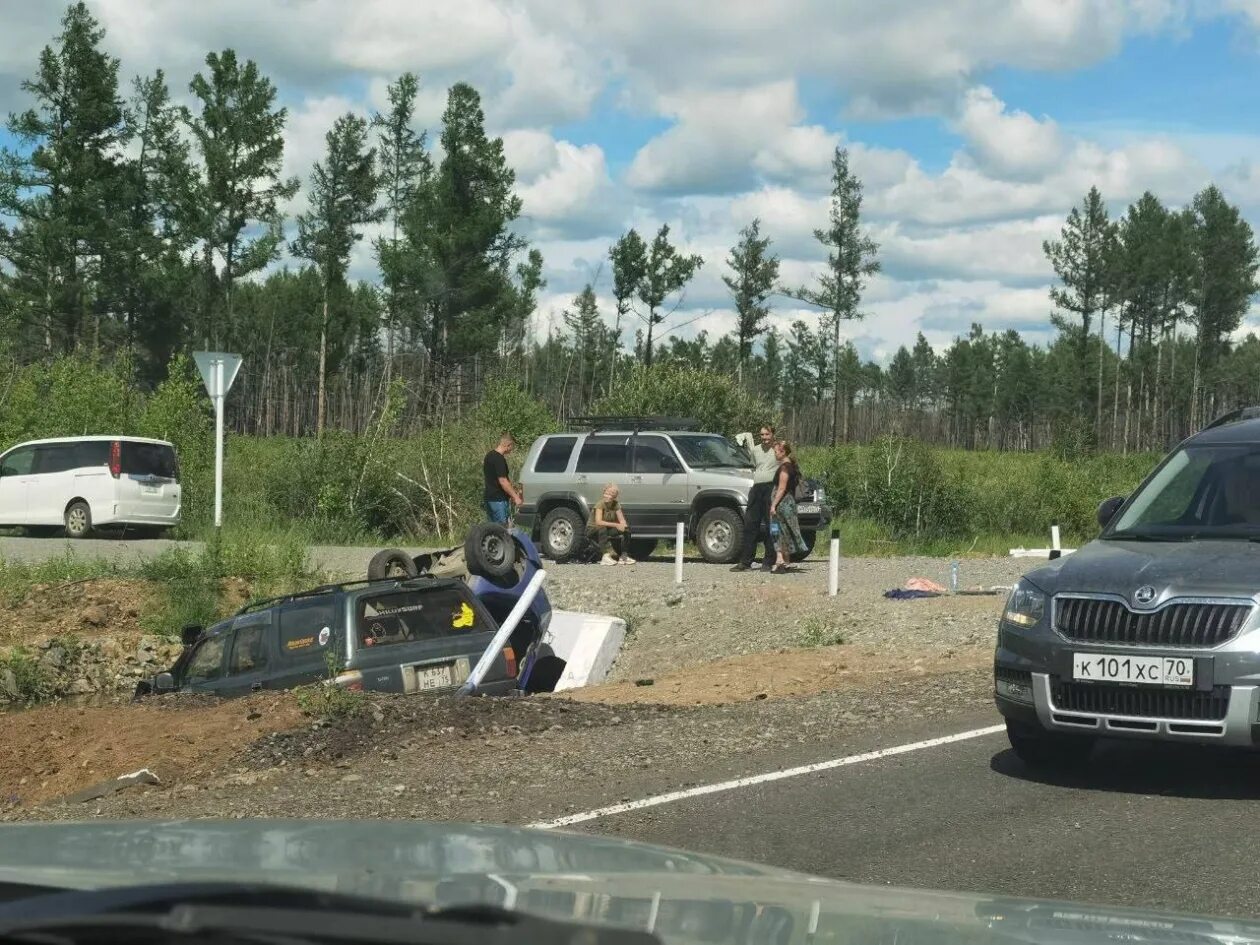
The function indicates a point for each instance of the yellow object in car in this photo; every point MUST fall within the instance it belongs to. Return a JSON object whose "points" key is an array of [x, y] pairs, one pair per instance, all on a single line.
{"points": [[462, 618]]}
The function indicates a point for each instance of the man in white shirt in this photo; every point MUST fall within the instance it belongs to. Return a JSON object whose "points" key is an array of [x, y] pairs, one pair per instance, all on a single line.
{"points": [[757, 518]]}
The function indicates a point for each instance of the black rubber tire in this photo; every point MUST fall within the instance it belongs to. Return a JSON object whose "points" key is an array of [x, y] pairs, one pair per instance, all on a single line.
{"points": [[642, 548], [489, 551], [1038, 748], [78, 519], [566, 520], [811, 539], [715, 524], [391, 563]]}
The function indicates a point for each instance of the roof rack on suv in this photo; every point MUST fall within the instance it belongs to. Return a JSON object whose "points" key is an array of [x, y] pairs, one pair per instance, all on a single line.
{"points": [[1234, 416], [635, 424]]}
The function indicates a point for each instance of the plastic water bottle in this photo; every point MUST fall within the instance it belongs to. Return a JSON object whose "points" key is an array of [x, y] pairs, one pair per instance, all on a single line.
{"points": [[774, 529], [953, 577]]}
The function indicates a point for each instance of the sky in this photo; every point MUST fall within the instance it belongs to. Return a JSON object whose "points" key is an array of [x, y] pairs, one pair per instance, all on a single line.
{"points": [[975, 125]]}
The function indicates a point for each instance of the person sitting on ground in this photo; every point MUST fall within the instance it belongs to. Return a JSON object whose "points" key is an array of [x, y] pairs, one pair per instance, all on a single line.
{"points": [[783, 507], [609, 528]]}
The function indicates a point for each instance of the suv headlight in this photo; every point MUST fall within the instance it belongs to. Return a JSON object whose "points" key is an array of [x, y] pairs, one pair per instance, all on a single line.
{"points": [[1025, 607]]}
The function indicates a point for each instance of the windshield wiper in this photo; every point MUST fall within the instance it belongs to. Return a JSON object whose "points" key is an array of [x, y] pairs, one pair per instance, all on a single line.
{"points": [[1143, 536], [257, 913]]}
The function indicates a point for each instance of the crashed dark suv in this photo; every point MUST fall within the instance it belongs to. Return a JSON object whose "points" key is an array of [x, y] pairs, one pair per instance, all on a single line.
{"points": [[1152, 630]]}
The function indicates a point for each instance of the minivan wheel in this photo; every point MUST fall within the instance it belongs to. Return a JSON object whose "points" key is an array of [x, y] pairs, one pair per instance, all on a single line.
{"points": [[78, 520], [719, 535], [563, 531], [1038, 748]]}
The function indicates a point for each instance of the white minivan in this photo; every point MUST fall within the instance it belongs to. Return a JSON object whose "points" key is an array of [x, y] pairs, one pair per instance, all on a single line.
{"points": [[85, 482]]}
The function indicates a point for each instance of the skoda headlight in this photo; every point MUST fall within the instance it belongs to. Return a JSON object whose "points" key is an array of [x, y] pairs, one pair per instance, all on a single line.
{"points": [[1025, 607]]}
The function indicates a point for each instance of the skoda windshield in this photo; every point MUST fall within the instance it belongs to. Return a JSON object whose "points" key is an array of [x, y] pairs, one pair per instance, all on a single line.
{"points": [[1200, 492]]}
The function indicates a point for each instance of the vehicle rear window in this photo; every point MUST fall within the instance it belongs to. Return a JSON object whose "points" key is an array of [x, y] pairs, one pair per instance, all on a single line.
{"points": [[149, 459], [302, 625], [410, 616], [554, 456], [604, 456]]}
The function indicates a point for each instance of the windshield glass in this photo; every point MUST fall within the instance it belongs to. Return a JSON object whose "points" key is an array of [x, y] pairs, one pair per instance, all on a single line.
{"points": [[708, 449], [1201, 492]]}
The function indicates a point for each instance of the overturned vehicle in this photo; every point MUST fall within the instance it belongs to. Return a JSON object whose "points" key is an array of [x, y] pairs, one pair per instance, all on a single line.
{"points": [[473, 619]]}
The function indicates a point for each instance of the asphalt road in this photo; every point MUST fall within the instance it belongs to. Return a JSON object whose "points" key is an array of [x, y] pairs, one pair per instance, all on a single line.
{"points": [[1147, 825]]}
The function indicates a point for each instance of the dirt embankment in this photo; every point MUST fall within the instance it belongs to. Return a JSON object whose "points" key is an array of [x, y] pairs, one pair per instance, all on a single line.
{"points": [[740, 660]]}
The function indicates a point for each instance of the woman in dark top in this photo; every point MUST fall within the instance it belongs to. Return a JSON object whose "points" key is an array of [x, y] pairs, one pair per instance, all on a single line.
{"points": [[783, 507]]}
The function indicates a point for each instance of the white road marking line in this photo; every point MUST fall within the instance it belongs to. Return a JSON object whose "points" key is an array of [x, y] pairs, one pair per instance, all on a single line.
{"points": [[659, 799]]}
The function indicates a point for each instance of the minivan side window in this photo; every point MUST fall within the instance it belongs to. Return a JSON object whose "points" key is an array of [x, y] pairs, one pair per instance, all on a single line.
{"points": [[302, 623], [54, 459], [207, 662], [91, 453], [554, 456], [19, 462], [249, 648], [604, 456]]}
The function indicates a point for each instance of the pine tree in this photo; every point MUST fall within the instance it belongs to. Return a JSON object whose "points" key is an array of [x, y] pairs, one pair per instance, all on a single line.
{"points": [[240, 139], [587, 329], [756, 272], [1081, 259], [61, 189], [664, 273], [343, 200], [851, 260], [629, 264], [405, 169]]}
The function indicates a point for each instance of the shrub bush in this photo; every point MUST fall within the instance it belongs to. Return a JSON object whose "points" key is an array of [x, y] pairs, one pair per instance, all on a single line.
{"points": [[671, 390]]}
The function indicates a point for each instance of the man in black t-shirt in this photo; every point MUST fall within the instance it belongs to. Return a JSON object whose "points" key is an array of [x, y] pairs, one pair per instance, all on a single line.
{"points": [[500, 494]]}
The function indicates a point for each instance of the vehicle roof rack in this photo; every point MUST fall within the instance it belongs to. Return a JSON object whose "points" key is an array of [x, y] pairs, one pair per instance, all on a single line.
{"points": [[635, 424], [1234, 416], [330, 588]]}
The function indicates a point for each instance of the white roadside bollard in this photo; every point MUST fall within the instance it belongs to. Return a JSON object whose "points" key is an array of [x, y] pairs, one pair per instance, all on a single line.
{"points": [[679, 538], [833, 565], [1056, 550]]}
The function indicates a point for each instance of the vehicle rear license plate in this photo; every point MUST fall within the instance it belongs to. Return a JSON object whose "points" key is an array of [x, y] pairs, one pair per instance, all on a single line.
{"points": [[1140, 670], [433, 677], [809, 508], [151, 490]]}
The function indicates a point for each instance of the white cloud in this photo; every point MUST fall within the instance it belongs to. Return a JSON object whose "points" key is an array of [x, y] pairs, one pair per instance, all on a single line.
{"points": [[1008, 143]]}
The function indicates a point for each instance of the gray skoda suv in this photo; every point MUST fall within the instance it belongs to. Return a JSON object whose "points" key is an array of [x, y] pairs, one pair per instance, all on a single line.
{"points": [[1152, 630]]}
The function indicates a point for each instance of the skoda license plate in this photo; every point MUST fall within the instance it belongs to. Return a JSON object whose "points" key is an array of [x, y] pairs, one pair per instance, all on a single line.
{"points": [[1137, 670]]}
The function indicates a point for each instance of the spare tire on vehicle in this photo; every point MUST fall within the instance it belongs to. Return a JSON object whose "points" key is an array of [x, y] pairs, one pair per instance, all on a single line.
{"points": [[489, 551], [391, 563]]}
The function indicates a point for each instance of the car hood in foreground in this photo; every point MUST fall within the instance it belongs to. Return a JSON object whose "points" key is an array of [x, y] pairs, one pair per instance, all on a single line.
{"points": [[1174, 569], [683, 897]]}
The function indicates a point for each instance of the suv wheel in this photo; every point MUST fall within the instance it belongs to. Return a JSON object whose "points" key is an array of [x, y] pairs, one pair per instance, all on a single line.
{"points": [[1038, 748], [391, 563], [563, 531], [642, 548], [489, 551], [811, 539], [719, 535]]}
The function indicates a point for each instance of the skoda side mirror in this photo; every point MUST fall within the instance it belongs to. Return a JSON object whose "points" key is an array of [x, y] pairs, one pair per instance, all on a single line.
{"points": [[1108, 509]]}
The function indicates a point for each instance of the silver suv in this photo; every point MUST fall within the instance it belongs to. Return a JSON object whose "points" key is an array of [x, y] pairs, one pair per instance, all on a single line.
{"points": [[1153, 630], [666, 473]]}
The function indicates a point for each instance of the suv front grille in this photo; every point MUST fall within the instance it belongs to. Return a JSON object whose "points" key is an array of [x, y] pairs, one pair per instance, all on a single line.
{"points": [[1148, 703], [1087, 620]]}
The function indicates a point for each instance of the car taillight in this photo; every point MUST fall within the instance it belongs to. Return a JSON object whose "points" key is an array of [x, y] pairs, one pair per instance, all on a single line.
{"points": [[115, 459], [509, 654]]}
